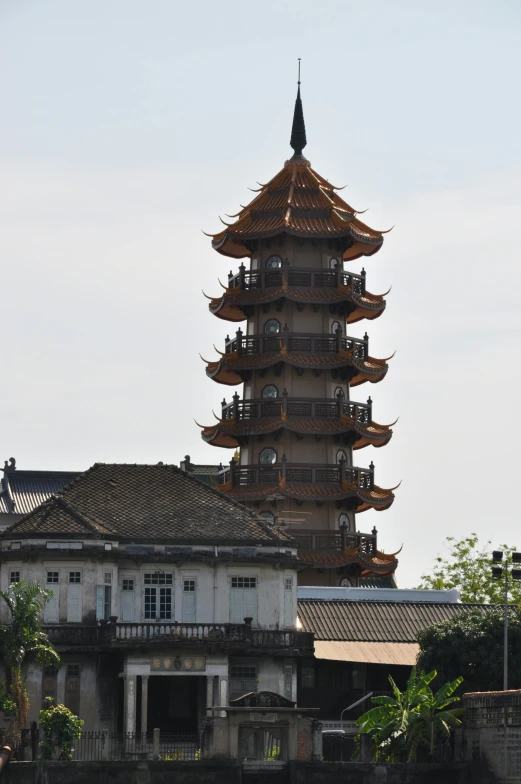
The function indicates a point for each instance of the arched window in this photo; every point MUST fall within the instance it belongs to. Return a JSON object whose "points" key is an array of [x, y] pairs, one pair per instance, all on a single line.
{"points": [[268, 516], [339, 392], [268, 456], [274, 262], [333, 263], [343, 520], [271, 327], [341, 455], [345, 582], [270, 391], [335, 326]]}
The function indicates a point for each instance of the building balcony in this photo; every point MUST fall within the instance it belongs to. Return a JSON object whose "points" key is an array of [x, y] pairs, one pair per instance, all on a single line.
{"points": [[297, 277], [335, 540], [284, 472], [298, 343], [349, 487], [164, 633], [296, 408]]}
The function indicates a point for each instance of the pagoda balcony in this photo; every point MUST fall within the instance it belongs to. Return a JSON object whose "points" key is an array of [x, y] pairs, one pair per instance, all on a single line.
{"points": [[240, 636], [297, 342], [298, 473], [296, 408], [297, 277], [334, 540]]}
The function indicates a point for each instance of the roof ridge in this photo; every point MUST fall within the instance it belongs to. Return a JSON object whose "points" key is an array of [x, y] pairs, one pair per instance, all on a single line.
{"points": [[58, 498]]}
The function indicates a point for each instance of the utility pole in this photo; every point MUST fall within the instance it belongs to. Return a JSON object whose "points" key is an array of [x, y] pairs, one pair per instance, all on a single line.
{"points": [[506, 571]]}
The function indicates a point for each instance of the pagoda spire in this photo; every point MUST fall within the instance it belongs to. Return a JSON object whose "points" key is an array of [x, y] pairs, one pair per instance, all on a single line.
{"points": [[298, 129]]}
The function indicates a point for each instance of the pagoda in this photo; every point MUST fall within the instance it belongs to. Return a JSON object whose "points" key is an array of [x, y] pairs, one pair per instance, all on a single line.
{"points": [[295, 428]]}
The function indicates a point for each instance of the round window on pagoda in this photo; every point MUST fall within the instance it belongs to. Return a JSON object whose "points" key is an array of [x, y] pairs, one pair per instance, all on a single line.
{"points": [[274, 262], [333, 263], [270, 391], [345, 582], [271, 327], [268, 456], [343, 520], [269, 517], [341, 455], [335, 326]]}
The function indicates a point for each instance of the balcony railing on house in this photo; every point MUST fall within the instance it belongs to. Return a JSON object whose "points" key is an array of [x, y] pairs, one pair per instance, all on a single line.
{"points": [[334, 540], [300, 342], [117, 635], [297, 277], [299, 473], [296, 408]]}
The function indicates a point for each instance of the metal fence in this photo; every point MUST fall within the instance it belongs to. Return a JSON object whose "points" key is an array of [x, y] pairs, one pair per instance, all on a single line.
{"points": [[103, 745]]}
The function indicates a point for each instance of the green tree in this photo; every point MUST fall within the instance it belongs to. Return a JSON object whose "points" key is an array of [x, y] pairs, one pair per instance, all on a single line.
{"points": [[467, 567], [471, 645], [412, 723], [23, 642], [61, 728]]}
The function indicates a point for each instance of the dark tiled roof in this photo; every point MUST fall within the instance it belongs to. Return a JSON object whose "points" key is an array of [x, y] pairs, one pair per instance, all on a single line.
{"points": [[23, 491], [375, 621], [146, 502]]}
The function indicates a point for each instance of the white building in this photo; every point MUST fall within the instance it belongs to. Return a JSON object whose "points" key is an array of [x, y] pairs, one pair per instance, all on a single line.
{"points": [[168, 598]]}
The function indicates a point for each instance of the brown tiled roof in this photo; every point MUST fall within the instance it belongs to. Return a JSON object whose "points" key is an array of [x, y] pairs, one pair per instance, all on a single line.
{"points": [[145, 502], [299, 202], [230, 306], [376, 498], [227, 369], [375, 621], [227, 432]]}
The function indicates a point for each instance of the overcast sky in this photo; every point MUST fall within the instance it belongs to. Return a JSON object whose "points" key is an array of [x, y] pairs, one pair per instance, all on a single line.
{"points": [[128, 126]]}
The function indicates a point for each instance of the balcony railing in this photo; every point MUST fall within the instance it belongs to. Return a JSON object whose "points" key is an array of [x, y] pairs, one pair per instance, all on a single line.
{"points": [[296, 408], [307, 342], [296, 277], [171, 633], [299, 473], [335, 540]]}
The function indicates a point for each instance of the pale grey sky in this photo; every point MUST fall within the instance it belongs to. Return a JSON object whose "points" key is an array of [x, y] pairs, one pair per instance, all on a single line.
{"points": [[127, 127]]}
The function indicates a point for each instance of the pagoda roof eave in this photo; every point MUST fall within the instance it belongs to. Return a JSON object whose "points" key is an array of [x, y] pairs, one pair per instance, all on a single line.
{"points": [[379, 563], [233, 246], [376, 498], [226, 434], [227, 370]]}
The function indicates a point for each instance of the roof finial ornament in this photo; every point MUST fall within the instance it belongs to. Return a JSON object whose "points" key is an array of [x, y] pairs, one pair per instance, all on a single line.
{"points": [[298, 129]]}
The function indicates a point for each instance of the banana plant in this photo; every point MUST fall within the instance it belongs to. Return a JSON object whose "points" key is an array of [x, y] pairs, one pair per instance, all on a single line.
{"points": [[411, 720]]}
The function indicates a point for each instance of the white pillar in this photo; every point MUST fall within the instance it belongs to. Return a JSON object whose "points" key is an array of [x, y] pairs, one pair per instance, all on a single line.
{"points": [[144, 703], [223, 692], [209, 694], [130, 704]]}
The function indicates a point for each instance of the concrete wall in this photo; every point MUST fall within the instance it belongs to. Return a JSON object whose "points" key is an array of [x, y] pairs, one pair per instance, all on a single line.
{"points": [[491, 736], [224, 772]]}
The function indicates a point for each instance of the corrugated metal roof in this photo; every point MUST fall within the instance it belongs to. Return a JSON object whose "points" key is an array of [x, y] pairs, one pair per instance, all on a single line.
{"points": [[368, 652], [375, 621]]}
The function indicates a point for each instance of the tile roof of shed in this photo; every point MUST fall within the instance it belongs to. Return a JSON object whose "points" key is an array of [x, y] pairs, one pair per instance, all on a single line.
{"points": [[22, 491], [375, 621], [146, 502]]}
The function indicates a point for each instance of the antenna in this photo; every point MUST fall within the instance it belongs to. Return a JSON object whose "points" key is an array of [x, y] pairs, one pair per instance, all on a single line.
{"points": [[298, 71]]}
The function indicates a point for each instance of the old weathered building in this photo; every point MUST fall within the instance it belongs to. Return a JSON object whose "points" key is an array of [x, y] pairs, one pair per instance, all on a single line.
{"points": [[168, 598]]}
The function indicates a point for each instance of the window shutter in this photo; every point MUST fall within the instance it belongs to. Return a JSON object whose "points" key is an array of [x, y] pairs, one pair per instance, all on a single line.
{"points": [[100, 602], [237, 613], [289, 618], [74, 604], [189, 607], [127, 606], [51, 612]]}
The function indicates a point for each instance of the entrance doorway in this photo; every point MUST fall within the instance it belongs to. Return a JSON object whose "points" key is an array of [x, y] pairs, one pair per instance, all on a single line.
{"points": [[176, 704]]}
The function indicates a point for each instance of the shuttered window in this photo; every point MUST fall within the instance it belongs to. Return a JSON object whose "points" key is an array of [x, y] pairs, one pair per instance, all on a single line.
{"points": [[243, 599]]}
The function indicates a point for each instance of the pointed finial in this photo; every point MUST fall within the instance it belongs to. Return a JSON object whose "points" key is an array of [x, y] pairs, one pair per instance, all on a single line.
{"points": [[298, 129]]}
